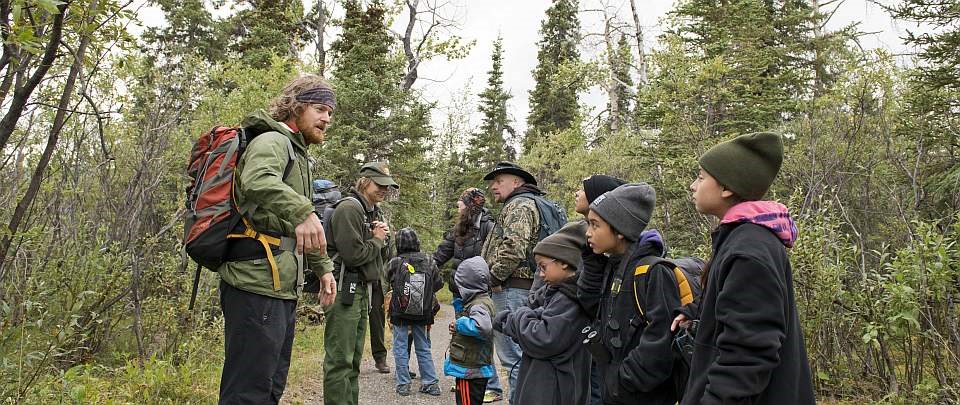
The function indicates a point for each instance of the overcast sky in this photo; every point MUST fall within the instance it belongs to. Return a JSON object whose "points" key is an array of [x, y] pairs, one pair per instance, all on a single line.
{"points": [[518, 21]]}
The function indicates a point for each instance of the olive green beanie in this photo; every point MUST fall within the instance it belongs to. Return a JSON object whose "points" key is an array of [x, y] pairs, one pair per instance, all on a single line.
{"points": [[747, 164], [565, 245]]}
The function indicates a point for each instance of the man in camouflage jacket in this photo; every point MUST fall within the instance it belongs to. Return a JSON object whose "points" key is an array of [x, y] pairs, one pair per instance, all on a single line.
{"points": [[506, 251]]}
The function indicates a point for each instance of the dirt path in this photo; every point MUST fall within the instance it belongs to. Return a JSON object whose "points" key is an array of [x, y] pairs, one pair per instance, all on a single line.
{"points": [[380, 389]]}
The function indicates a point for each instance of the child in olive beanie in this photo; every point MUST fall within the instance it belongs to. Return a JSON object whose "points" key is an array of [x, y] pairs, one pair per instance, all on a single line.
{"points": [[747, 164]]}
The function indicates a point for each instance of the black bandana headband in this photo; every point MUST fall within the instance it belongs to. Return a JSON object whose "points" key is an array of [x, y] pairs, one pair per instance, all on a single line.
{"points": [[319, 95]]}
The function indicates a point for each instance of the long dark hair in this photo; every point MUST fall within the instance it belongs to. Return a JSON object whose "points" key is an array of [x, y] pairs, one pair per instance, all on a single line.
{"points": [[473, 199]]}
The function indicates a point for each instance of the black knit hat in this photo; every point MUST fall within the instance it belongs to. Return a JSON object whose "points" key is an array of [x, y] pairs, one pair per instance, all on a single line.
{"points": [[627, 208], [747, 164], [407, 241], [594, 186], [564, 245]]}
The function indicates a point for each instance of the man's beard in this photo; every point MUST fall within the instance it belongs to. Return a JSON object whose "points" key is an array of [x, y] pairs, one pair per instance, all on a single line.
{"points": [[313, 135]]}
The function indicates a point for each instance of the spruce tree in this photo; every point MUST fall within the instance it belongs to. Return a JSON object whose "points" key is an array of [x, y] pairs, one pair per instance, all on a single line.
{"points": [[376, 120], [266, 29], [553, 104], [491, 144], [764, 49]]}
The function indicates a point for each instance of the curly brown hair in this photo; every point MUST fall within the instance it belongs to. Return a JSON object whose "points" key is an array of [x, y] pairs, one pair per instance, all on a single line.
{"points": [[286, 106], [474, 199]]}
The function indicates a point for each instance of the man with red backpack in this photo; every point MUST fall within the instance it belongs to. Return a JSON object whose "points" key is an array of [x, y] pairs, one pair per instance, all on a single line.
{"points": [[259, 289]]}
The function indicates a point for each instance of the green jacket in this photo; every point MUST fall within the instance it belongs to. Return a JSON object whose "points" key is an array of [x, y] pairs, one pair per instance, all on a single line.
{"points": [[352, 241], [469, 351], [279, 205], [513, 236]]}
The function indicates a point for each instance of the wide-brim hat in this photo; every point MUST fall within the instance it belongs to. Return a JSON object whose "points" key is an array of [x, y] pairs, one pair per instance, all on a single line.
{"points": [[379, 173], [510, 168]]}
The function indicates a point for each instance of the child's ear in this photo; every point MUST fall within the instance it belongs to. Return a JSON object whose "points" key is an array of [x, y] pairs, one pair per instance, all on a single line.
{"points": [[726, 194]]}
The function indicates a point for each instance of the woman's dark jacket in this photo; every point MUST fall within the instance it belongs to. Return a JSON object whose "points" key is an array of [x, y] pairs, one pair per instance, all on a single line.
{"points": [[449, 250]]}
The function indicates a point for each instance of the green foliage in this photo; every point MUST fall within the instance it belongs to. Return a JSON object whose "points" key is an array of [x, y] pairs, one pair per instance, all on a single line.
{"points": [[377, 120], [939, 43], [93, 291], [553, 100], [492, 143]]}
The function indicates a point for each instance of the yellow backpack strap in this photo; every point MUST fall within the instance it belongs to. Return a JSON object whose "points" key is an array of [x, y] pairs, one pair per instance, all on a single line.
{"points": [[683, 285], [266, 241], [641, 270], [686, 293]]}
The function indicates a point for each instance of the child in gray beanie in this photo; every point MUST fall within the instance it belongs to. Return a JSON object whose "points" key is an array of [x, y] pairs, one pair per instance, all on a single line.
{"points": [[634, 302]]}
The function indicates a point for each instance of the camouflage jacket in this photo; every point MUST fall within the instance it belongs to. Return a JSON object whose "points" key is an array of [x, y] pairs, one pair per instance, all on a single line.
{"points": [[513, 236]]}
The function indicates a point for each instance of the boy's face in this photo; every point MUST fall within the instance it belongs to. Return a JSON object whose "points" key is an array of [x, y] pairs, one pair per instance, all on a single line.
{"points": [[708, 195], [580, 202], [552, 271], [600, 235]]}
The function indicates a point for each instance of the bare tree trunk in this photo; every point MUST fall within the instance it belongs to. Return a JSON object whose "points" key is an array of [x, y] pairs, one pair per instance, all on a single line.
{"points": [[321, 27], [613, 59], [22, 93], [58, 122], [641, 53], [137, 312], [413, 61]]}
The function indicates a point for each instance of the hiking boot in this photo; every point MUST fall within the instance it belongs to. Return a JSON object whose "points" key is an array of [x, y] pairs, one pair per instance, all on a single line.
{"points": [[430, 389], [492, 396], [382, 367], [403, 390]]}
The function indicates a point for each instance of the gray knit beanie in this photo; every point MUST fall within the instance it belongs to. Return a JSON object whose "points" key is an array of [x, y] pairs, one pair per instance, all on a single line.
{"points": [[564, 245], [627, 208]]}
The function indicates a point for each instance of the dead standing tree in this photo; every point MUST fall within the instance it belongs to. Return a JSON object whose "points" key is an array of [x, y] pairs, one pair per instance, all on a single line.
{"points": [[427, 20]]}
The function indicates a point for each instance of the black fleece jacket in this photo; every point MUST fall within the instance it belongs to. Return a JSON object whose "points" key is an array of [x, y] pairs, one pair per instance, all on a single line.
{"points": [[639, 345], [750, 348]]}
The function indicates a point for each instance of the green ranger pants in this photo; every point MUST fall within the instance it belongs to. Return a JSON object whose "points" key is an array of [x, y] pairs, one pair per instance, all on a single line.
{"points": [[343, 339]]}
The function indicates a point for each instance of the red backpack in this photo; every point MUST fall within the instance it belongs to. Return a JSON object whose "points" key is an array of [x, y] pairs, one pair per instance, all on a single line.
{"points": [[213, 217]]}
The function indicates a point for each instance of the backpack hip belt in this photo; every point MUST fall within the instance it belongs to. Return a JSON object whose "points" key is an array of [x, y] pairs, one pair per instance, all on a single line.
{"points": [[283, 243]]}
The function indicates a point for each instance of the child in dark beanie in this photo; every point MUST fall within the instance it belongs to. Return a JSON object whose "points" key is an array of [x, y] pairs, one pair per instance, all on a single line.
{"points": [[555, 367], [414, 279], [632, 347], [749, 345]]}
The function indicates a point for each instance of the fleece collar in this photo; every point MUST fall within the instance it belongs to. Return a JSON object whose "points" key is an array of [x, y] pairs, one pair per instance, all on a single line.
{"points": [[768, 214]]}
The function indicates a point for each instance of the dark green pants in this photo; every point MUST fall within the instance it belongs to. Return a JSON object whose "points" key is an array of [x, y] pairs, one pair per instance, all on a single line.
{"points": [[343, 340], [377, 322]]}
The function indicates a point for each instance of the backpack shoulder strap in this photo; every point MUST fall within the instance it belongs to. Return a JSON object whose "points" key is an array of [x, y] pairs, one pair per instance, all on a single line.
{"points": [[683, 283]]}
